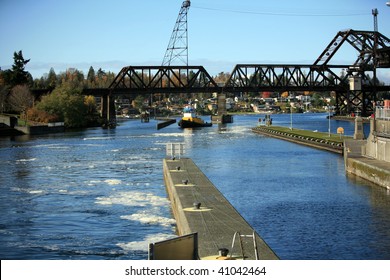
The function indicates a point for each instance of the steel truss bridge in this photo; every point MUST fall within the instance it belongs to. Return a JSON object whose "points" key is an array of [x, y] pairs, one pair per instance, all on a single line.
{"points": [[372, 47], [373, 51]]}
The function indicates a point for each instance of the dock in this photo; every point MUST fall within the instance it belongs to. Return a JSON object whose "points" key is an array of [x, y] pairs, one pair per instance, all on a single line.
{"points": [[198, 206], [164, 122]]}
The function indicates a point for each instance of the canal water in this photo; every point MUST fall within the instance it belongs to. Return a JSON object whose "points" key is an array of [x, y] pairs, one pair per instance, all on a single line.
{"points": [[99, 194]]}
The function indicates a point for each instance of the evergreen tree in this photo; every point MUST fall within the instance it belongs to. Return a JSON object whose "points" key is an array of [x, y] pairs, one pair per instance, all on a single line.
{"points": [[91, 75], [17, 75], [52, 79], [101, 73]]}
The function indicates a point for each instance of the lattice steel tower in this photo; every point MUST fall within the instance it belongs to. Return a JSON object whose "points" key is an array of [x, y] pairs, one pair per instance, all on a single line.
{"points": [[375, 14], [177, 49]]}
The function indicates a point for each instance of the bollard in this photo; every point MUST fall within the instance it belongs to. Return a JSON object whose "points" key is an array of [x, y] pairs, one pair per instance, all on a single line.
{"points": [[197, 205]]}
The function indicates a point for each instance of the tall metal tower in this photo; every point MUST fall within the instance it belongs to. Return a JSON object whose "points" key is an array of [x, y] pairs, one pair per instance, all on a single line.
{"points": [[375, 15], [177, 49]]}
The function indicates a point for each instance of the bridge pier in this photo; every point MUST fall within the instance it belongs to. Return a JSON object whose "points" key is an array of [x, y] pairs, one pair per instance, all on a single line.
{"points": [[222, 116], [108, 109]]}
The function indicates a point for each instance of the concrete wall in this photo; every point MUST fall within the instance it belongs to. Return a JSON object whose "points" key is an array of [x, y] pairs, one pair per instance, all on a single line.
{"points": [[38, 130], [9, 121], [370, 171], [378, 144]]}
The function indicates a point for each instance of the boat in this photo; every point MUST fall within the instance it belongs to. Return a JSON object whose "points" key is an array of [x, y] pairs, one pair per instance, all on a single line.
{"points": [[191, 120]]}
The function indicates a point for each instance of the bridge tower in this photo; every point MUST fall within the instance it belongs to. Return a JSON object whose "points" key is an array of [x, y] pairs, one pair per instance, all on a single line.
{"points": [[177, 49]]}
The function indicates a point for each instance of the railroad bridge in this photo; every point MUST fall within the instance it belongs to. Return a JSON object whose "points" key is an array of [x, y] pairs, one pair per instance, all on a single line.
{"points": [[355, 86]]}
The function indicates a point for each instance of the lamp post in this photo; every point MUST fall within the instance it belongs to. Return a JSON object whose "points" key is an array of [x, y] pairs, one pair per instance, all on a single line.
{"points": [[388, 3], [329, 119]]}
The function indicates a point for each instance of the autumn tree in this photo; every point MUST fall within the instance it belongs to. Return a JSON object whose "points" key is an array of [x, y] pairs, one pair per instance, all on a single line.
{"points": [[90, 103], [21, 99], [285, 94], [222, 77]]}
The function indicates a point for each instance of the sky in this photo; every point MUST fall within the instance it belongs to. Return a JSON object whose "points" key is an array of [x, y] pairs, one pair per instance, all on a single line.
{"points": [[62, 34]]}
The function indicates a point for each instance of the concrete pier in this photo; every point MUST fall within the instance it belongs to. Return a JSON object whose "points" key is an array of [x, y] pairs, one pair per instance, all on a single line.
{"points": [[295, 137], [214, 219]]}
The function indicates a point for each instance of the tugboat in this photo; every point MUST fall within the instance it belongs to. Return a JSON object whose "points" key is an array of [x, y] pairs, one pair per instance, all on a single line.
{"points": [[191, 120]]}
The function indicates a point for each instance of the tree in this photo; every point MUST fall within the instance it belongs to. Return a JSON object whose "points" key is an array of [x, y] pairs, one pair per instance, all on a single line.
{"points": [[90, 103], [17, 75], [21, 99], [317, 100], [222, 77], [100, 73], [91, 75], [73, 77], [68, 104], [52, 79], [285, 94], [138, 102], [3, 97]]}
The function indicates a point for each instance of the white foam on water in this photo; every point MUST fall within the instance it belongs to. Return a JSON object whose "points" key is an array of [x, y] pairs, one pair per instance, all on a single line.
{"points": [[27, 190], [120, 162], [26, 159], [50, 146], [171, 134], [35, 192], [97, 138], [150, 219], [113, 181], [133, 198], [95, 181], [144, 244], [72, 192]]}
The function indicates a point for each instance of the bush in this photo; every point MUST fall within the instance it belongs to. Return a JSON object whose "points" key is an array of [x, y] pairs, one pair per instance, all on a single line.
{"points": [[36, 115]]}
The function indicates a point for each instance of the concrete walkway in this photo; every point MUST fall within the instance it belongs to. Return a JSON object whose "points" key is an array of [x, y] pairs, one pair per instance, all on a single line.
{"points": [[216, 221]]}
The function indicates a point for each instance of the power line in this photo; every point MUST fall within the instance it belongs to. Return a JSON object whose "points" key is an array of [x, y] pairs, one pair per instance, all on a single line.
{"points": [[281, 14]]}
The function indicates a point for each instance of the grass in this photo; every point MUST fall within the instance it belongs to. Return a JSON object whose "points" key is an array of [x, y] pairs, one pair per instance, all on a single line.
{"points": [[336, 138]]}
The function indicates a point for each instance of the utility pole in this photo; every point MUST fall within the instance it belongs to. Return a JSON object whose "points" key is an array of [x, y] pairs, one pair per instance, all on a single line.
{"points": [[374, 58]]}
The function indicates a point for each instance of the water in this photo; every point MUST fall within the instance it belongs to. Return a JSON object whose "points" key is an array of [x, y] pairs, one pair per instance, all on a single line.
{"points": [[99, 194]]}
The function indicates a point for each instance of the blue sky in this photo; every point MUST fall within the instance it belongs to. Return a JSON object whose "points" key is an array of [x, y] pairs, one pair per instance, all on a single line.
{"points": [[222, 33]]}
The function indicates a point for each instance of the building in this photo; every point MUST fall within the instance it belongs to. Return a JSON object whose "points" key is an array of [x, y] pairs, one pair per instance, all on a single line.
{"points": [[378, 142]]}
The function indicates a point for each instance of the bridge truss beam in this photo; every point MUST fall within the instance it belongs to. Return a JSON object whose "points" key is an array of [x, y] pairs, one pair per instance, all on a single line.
{"points": [[163, 79], [319, 78], [373, 49], [257, 77]]}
